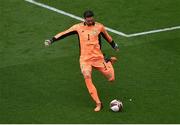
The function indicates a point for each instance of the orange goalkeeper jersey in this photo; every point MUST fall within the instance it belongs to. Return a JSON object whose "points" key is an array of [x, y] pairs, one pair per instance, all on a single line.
{"points": [[89, 39]]}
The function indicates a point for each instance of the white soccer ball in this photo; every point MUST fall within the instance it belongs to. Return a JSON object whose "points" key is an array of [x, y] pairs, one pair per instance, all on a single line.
{"points": [[116, 105]]}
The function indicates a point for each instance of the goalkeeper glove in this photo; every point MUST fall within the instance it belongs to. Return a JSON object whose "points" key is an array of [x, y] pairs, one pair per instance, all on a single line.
{"points": [[49, 42], [114, 46]]}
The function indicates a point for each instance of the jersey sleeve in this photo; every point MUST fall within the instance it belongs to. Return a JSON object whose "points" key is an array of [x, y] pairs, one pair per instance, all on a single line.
{"points": [[72, 30], [105, 34]]}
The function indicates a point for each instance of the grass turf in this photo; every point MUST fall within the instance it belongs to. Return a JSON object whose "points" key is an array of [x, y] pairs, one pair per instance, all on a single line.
{"points": [[44, 85]]}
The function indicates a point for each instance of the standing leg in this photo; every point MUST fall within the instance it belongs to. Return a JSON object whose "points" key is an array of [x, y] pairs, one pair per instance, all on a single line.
{"points": [[87, 71]]}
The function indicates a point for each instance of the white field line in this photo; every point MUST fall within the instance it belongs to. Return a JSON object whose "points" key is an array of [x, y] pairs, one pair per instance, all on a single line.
{"points": [[70, 15], [153, 31], [107, 28]]}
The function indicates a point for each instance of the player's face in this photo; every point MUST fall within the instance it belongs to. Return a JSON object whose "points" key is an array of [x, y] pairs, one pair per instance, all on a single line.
{"points": [[89, 21]]}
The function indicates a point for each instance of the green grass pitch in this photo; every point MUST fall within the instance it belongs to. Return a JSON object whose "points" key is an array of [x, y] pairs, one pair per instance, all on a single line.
{"points": [[44, 85]]}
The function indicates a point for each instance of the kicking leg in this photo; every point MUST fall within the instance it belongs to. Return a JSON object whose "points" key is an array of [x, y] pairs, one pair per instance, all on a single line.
{"points": [[107, 70]]}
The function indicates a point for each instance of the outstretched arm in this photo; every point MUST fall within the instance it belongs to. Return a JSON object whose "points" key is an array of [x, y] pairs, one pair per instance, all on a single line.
{"points": [[109, 39], [61, 35]]}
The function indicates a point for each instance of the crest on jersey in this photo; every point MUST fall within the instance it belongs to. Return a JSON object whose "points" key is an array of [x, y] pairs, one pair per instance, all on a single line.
{"points": [[94, 32]]}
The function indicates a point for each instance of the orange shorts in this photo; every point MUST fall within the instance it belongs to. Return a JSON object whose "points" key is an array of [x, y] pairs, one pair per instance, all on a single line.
{"points": [[104, 67]]}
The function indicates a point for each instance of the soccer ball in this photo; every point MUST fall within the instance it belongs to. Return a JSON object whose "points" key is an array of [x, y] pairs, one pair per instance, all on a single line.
{"points": [[116, 105]]}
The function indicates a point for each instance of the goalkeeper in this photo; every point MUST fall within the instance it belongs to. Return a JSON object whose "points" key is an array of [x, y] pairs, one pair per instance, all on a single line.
{"points": [[91, 57]]}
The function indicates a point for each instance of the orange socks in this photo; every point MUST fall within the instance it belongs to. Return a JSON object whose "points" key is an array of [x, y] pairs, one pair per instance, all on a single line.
{"points": [[92, 90]]}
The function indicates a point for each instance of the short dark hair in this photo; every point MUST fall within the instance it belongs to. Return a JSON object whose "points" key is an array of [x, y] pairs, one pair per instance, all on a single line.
{"points": [[88, 13]]}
